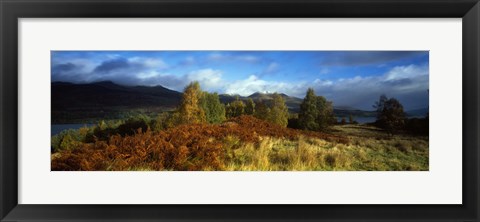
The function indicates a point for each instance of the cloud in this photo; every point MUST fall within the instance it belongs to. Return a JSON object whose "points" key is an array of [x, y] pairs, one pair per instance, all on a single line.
{"points": [[410, 71], [247, 58], [128, 71], [112, 65], [66, 67], [254, 84], [208, 78], [272, 67], [216, 57], [133, 64], [188, 61], [409, 84], [324, 71], [366, 57], [68, 72], [154, 63]]}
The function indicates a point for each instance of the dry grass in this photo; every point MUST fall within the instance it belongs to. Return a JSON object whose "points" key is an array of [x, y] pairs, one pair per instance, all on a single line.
{"points": [[370, 150]]}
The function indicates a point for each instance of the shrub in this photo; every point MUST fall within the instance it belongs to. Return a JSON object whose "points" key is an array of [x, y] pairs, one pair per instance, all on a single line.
{"points": [[161, 122], [131, 126], [69, 139]]}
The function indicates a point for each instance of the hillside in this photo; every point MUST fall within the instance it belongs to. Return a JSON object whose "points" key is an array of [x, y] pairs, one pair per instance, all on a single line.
{"points": [[78, 102], [101, 94]]}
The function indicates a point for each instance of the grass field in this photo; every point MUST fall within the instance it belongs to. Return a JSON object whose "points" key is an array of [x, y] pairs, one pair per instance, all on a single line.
{"points": [[369, 149]]}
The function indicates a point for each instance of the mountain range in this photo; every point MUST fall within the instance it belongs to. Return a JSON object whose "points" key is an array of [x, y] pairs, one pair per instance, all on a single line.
{"points": [[73, 102]]}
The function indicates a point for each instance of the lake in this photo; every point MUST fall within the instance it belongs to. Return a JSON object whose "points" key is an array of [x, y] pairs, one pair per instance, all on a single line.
{"points": [[360, 119], [57, 128]]}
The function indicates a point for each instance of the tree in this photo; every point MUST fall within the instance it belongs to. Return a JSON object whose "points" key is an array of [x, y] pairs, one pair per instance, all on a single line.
{"points": [[325, 115], [279, 111], [308, 111], [213, 108], [190, 110], [262, 111], [390, 114], [235, 108], [250, 107], [379, 104], [316, 113]]}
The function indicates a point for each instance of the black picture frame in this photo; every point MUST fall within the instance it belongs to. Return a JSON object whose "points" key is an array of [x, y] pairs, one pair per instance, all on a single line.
{"points": [[11, 10]]}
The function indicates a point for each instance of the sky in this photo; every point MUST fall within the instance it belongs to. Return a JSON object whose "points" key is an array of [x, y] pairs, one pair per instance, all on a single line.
{"points": [[348, 78]]}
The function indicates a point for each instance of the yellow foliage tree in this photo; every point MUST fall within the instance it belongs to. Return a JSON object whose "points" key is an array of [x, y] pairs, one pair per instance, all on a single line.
{"points": [[190, 110], [279, 111]]}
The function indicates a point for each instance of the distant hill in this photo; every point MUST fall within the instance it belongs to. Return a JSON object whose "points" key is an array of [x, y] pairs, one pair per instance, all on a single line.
{"points": [[80, 102], [107, 94], [77, 103], [417, 112]]}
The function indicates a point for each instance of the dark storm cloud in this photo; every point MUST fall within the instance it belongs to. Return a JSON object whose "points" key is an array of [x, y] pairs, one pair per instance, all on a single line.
{"points": [[367, 58], [112, 65], [63, 67], [67, 72]]}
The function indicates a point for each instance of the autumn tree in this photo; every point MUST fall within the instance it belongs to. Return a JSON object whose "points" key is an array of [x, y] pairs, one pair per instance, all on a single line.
{"points": [[250, 107], [390, 114], [279, 111], [190, 110], [213, 108]]}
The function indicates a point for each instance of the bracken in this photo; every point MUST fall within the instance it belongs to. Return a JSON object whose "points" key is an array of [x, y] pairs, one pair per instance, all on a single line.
{"points": [[185, 147]]}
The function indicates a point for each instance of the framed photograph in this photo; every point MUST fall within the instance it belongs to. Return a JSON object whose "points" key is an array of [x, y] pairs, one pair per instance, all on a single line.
{"points": [[253, 110]]}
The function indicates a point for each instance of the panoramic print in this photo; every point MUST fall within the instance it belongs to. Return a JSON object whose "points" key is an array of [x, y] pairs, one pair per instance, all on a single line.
{"points": [[239, 111]]}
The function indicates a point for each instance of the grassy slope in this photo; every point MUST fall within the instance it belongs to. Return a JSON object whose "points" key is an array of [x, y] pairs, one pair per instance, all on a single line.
{"points": [[369, 149]]}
